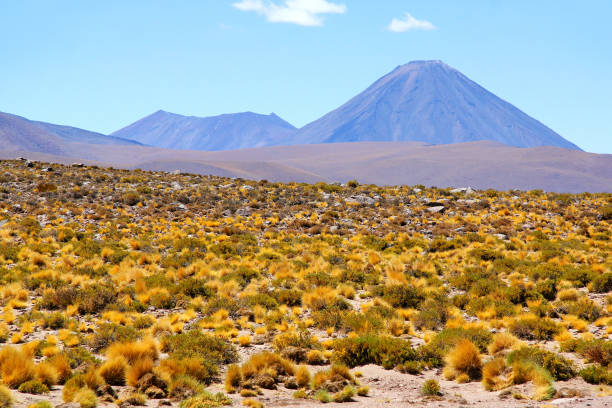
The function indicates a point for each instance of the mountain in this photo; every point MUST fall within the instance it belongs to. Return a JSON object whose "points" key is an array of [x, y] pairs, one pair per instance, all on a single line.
{"points": [[19, 133], [428, 101], [72, 134], [223, 132]]}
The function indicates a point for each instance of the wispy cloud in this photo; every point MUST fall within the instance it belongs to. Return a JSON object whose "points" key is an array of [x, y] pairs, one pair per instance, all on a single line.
{"points": [[400, 25], [301, 12]]}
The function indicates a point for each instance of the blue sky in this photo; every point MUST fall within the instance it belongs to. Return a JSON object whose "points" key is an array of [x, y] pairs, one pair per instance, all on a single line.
{"points": [[101, 65]]}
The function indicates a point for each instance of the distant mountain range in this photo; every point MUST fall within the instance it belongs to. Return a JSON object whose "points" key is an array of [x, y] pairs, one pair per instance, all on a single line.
{"points": [[422, 101], [423, 123], [223, 132]]}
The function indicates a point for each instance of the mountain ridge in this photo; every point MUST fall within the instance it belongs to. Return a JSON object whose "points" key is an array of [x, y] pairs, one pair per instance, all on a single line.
{"points": [[220, 132]]}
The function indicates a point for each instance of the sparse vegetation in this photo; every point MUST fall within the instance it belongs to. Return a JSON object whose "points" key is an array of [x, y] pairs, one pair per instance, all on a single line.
{"points": [[169, 293]]}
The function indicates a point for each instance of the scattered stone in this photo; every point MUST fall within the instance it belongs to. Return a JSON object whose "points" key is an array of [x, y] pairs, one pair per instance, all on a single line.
{"points": [[154, 392], [436, 209]]}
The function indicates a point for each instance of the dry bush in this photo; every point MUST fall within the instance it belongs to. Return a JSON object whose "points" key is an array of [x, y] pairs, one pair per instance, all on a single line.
{"points": [[463, 360], [15, 367]]}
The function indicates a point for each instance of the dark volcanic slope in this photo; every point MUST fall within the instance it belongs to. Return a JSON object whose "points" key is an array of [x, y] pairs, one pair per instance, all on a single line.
{"points": [[223, 132], [431, 102]]}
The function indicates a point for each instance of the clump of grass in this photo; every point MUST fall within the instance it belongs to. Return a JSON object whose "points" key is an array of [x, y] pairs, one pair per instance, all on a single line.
{"points": [[134, 351], [560, 368], [431, 388], [363, 391], [137, 370], [323, 396], [463, 362], [260, 370], [501, 342], [40, 404], [86, 398], [6, 397], [493, 375], [46, 373], [113, 370], [33, 387], [346, 395], [596, 374], [206, 399], [302, 376], [15, 367], [372, 349]]}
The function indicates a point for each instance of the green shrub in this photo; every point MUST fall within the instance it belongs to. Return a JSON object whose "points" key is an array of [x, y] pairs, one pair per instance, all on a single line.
{"points": [[93, 299], [560, 368], [533, 328], [33, 387], [584, 308], [431, 388], [596, 374], [210, 350], [595, 350], [206, 399], [6, 397], [603, 283], [400, 295], [434, 351], [109, 333], [547, 288], [40, 404], [372, 349], [346, 395], [323, 396]]}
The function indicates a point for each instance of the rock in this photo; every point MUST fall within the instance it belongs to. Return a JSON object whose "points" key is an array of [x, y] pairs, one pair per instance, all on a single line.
{"points": [[78, 165], [436, 209], [296, 354], [106, 390], [175, 172], [291, 384], [154, 392], [164, 403], [416, 190], [466, 202], [150, 380], [247, 187], [360, 199], [503, 237], [264, 381], [29, 164], [244, 212]]}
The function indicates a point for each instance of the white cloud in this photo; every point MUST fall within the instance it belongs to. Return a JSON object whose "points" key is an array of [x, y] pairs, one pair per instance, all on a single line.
{"points": [[398, 25], [301, 12]]}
